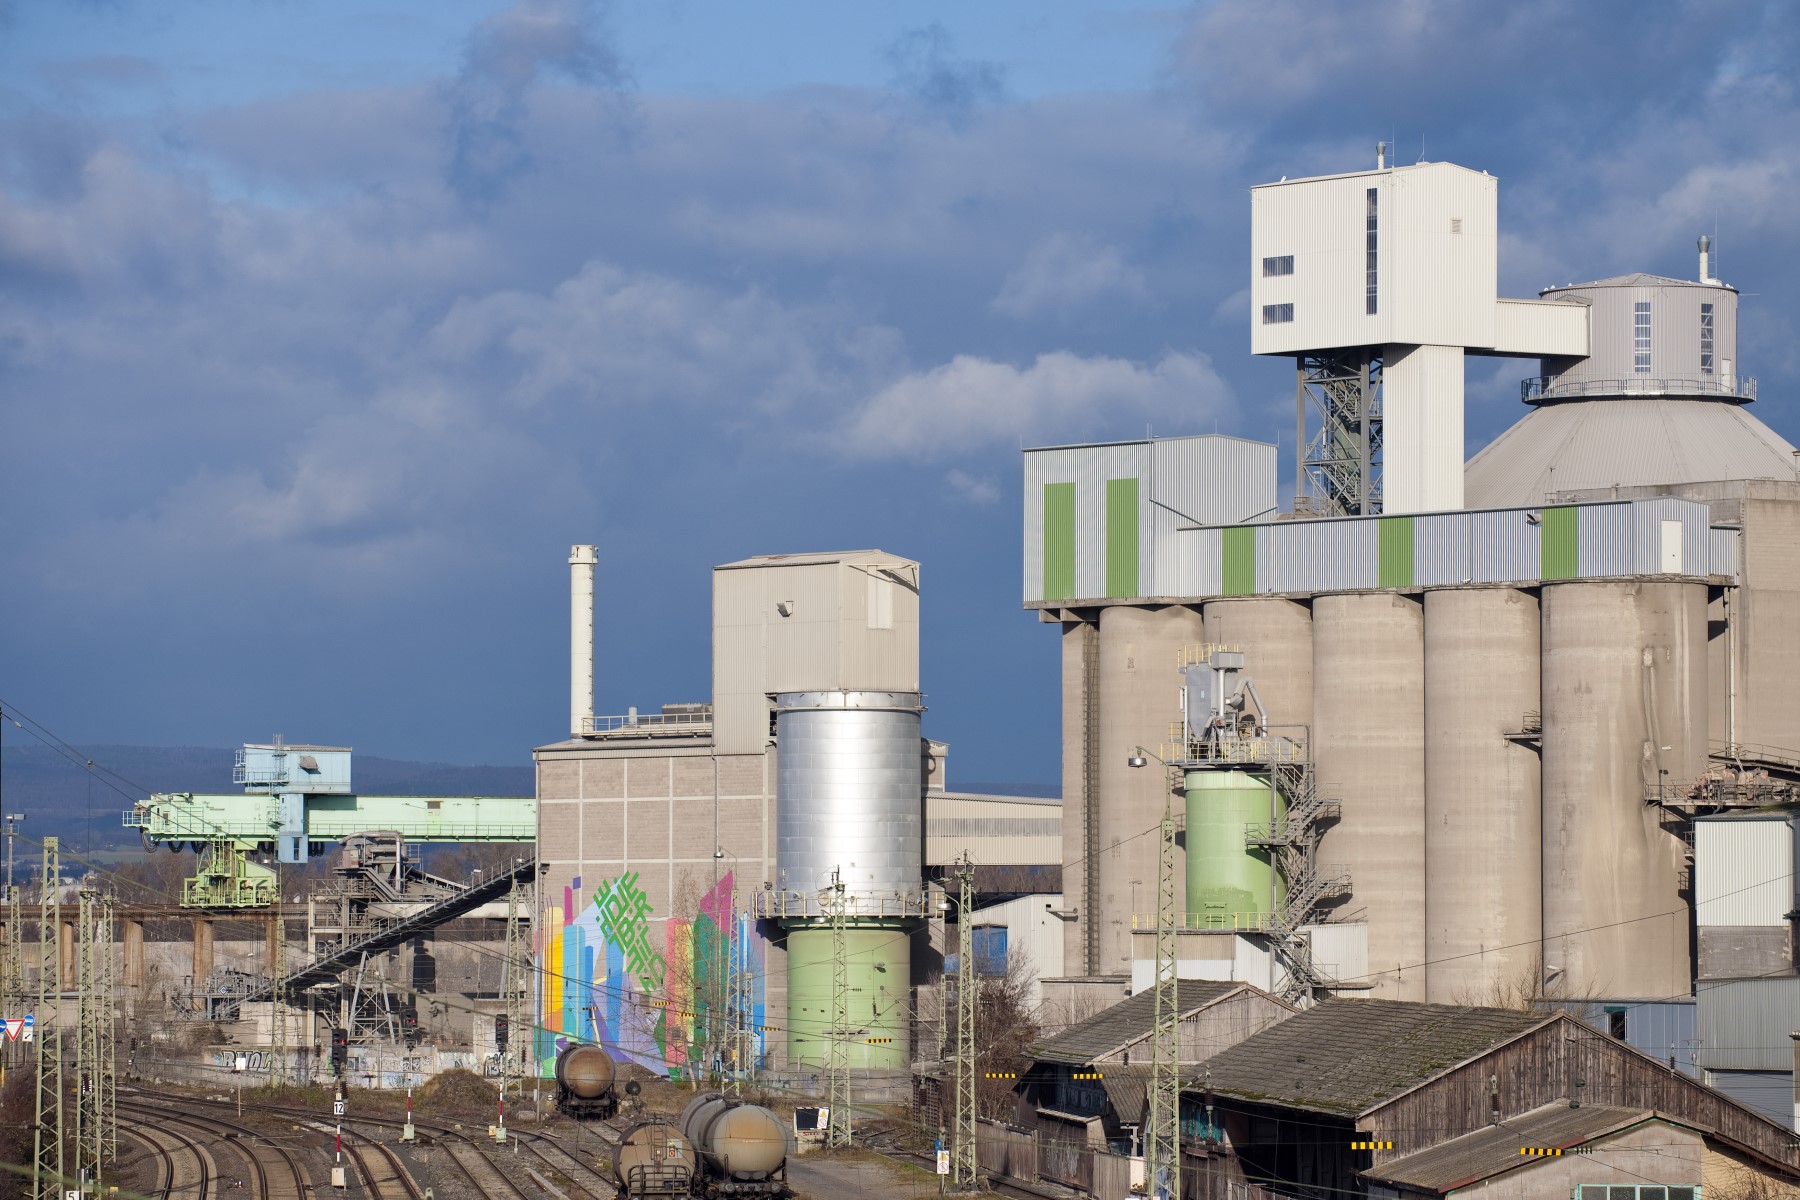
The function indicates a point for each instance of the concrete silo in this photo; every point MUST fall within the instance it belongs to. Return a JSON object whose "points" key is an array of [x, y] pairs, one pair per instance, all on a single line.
{"points": [[1624, 704], [1483, 904], [1139, 695], [1276, 637], [1369, 752]]}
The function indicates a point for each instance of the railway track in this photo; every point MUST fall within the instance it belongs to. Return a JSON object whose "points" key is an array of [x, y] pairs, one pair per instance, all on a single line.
{"points": [[170, 1148], [379, 1170]]}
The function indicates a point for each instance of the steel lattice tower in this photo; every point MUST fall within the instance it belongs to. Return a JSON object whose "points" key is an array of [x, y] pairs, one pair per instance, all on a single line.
{"points": [[962, 1150], [838, 1133], [737, 1005], [278, 1008], [12, 973], [94, 1136], [109, 1030], [47, 1139], [518, 987], [1162, 1159]]}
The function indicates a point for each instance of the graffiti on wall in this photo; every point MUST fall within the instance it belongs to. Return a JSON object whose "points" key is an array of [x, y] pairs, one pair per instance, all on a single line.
{"points": [[647, 996]]}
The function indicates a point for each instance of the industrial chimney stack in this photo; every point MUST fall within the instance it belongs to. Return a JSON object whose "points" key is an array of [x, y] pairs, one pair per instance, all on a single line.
{"points": [[581, 638], [1706, 274]]}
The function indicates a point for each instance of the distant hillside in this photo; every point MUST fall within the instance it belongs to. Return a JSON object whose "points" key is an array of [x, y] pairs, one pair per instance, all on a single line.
{"points": [[58, 797]]}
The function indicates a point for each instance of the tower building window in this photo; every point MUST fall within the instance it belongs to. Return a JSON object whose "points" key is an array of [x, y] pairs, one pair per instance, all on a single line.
{"points": [[1706, 339], [1280, 265], [1369, 233], [1641, 338], [1277, 314]]}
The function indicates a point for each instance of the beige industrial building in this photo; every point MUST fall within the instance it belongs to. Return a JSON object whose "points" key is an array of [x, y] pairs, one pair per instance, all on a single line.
{"points": [[1465, 696], [687, 850]]}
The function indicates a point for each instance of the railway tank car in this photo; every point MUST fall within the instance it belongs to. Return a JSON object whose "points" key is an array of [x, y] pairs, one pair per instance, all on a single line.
{"points": [[654, 1159], [585, 1078], [741, 1148]]}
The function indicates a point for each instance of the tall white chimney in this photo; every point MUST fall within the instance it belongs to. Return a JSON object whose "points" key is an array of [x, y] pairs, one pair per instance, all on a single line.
{"points": [[1705, 244], [581, 637]]}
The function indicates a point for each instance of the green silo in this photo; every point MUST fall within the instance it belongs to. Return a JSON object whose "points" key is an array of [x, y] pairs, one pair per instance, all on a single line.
{"points": [[1228, 883], [878, 962]]}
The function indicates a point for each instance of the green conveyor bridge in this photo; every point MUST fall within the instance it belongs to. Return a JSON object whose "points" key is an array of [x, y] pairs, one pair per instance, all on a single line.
{"points": [[296, 801]]}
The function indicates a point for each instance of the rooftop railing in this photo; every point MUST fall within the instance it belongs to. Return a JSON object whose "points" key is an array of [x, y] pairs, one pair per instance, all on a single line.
{"points": [[648, 724], [1552, 387]]}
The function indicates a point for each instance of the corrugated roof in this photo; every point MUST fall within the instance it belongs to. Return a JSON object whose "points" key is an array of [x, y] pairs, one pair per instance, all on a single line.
{"points": [[881, 557], [1345, 1056], [1635, 279], [1488, 1152], [1128, 1021], [1623, 443]]}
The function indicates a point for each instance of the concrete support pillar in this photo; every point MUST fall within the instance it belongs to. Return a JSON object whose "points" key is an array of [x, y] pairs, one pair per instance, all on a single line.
{"points": [[1422, 420], [133, 953], [65, 936], [203, 950]]}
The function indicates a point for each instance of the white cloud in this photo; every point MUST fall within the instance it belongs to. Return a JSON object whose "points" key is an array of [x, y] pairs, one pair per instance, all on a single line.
{"points": [[972, 402], [976, 489], [1064, 272]]}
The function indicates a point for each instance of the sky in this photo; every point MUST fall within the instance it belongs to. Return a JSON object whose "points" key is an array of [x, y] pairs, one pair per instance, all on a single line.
{"points": [[326, 328]]}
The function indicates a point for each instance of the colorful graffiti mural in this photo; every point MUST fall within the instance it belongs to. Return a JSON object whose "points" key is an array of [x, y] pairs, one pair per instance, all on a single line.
{"points": [[606, 980]]}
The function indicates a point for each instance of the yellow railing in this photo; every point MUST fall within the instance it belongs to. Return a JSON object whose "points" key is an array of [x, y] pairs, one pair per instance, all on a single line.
{"points": [[1200, 655]]}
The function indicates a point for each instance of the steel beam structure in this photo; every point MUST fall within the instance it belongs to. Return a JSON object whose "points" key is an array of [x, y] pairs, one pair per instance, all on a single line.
{"points": [[1337, 467]]}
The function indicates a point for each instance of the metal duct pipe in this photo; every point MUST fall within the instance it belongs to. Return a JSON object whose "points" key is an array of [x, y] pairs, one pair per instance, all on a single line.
{"points": [[1705, 245], [581, 638]]}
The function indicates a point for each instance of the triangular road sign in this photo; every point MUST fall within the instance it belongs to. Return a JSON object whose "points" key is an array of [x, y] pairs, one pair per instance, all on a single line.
{"points": [[13, 1026]]}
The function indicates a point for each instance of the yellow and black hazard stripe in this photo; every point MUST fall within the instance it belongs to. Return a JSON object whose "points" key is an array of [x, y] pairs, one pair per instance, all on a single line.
{"points": [[1371, 1145]]}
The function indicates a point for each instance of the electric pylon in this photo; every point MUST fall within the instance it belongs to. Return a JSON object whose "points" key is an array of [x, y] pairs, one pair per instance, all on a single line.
{"points": [[13, 997], [1162, 1159], [93, 1039], [518, 988], [837, 1097], [737, 1004], [278, 1009], [109, 1030], [962, 1151], [47, 1137]]}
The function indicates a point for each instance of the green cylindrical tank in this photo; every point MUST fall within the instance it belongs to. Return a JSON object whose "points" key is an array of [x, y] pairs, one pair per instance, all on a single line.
{"points": [[879, 961], [1229, 884]]}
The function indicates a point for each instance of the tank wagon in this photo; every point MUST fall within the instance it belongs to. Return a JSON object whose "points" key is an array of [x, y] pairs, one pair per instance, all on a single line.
{"points": [[584, 1082], [741, 1149], [654, 1159]]}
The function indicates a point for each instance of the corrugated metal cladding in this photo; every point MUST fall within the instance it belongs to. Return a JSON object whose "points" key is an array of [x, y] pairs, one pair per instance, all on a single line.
{"points": [[1743, 1024], [1744, 871], [1317, 556], [1628, 539], [1613, 538], [1097, 518], [1722, 551], [1770, 1093]]}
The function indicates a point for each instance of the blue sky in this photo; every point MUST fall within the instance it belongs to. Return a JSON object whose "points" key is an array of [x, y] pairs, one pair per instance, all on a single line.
{"points": [[326, 328]]}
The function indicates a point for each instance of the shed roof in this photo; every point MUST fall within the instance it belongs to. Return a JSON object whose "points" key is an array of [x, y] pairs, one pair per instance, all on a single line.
{"points": [[1129, 1021], [1624, 442], [876, 558], [1346, 1056], [1488, 1152]]}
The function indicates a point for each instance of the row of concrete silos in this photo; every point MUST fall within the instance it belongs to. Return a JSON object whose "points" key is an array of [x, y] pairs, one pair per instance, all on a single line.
{"points": [[1486, 860]]}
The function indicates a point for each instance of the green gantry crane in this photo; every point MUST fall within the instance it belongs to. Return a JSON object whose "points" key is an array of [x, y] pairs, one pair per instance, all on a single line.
{"points": [[296, 801]]}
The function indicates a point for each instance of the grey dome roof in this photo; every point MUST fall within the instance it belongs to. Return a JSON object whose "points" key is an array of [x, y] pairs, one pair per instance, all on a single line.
{"points": [[1633, 442]]}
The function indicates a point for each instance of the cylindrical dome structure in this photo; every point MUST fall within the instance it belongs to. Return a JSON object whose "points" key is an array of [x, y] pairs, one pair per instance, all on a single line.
{"points": [[1230, 885], [849, 793], [1139, 690], [736, 1141], [1624, 688], [1650, 335], [1369, 753], [878, 961], [1483, 901], [1276, 638]]}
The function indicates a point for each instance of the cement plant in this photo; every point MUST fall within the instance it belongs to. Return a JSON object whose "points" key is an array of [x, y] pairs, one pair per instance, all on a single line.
{"points": [[1425, 824]]}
